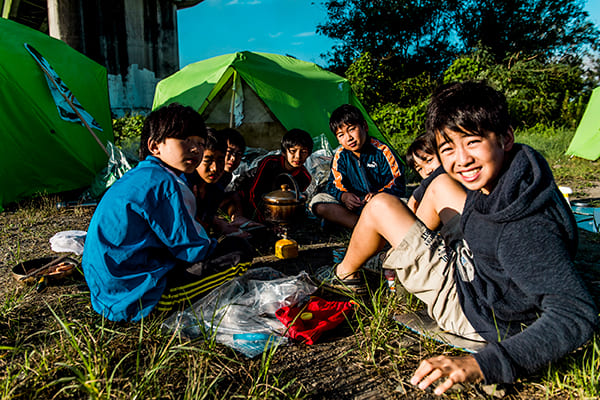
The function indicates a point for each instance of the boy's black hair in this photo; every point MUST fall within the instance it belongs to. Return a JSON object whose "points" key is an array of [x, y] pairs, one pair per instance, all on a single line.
{"points": [[215, 141], [296, 137], [172, 121], [346, 114], [425, 143], [234, 137], [471, 107]]}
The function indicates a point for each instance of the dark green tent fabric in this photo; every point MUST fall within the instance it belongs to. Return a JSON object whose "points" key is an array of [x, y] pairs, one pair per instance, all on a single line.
{"points": [[586, 142], [40, 152], [262, 95]]}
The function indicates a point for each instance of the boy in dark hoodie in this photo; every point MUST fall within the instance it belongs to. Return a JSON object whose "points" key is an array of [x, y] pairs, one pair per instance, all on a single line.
{"points": [[504, 272]]}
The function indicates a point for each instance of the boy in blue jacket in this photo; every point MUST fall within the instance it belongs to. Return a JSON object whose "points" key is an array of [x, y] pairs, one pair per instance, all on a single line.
{"points": [[361, 167], [502, 269], [144, 249]]}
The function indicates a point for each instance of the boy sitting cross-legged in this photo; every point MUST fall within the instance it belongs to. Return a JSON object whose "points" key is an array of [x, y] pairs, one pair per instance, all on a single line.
{"points": [[361, 167], [144, 249], [502, 269]]}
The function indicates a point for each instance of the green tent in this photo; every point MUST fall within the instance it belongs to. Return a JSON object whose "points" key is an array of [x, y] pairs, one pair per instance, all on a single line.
{"points": [[586, 142], [40, 152], [262, 95]]}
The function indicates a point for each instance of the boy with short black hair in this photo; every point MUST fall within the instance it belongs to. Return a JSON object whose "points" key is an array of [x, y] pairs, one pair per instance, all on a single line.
{"points": [[422, 158], [504, 272], [236, 146], [144, 249], [204, 182], [296, 146], [361, 167]]}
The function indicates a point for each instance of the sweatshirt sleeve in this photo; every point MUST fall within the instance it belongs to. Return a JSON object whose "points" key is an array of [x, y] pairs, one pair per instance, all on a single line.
{"points": [[544, 271]]}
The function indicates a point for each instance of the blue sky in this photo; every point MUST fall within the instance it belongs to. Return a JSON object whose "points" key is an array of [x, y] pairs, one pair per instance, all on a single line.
{"points": [[216, 27]]}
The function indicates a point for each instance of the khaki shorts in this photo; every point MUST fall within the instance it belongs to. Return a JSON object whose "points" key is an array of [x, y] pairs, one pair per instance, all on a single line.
{"points": [[424, 265], [322, 198]]}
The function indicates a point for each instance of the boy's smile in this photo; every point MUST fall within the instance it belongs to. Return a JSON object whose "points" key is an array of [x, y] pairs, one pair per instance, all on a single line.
{"points": [[352, 137], [182, 155], [295, 156], [474, 161]]}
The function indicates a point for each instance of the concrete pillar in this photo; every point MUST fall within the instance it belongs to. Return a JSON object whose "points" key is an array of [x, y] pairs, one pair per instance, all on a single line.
{"points": [[136, 40]]}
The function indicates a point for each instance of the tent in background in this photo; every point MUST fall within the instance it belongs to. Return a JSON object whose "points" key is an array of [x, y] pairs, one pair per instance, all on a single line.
{"points": [[39, 151], [586, 142], [262, 95]]}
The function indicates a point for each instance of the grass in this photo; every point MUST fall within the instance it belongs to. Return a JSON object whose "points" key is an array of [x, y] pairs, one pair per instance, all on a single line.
{"points": [[54, 346]]}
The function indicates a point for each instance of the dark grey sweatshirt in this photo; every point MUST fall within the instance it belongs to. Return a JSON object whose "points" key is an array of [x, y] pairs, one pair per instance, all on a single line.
{"points": [[524, 295]]}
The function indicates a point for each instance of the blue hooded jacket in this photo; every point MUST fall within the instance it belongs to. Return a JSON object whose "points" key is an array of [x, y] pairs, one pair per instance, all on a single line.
{"points": [[142, 228]]}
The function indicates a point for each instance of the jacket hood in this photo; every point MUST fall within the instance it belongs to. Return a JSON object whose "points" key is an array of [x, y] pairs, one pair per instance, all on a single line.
{"points": [[526, 185]]}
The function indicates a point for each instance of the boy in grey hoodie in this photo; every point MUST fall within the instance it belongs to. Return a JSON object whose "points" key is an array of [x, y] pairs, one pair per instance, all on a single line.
{"points": [[502, 269]]}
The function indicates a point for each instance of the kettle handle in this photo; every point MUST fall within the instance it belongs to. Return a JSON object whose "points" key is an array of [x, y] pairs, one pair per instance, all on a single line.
{"points": [[294, 183]]}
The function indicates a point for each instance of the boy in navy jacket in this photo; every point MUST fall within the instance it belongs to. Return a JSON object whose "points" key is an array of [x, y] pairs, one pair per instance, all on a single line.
{"points": [[501, 271], [361, 167]]}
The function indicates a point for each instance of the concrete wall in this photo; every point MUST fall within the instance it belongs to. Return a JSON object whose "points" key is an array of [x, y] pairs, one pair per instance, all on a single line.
{"points": [[136, 40]]}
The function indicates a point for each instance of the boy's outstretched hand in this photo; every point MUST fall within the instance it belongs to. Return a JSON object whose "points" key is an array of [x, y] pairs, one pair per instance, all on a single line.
{"points": [[457, 369]]}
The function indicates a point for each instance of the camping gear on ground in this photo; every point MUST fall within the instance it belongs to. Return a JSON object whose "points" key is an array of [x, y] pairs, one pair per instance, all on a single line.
{"points": [[307, 322], [283, 208], [262, 95], [42, 152], [587, 214], [68, 241], [566, 192], [45, 270], [241, 312], [586, 142], [423, 325]]}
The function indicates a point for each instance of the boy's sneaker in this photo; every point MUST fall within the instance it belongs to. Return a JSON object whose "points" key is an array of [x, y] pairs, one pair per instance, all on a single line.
{"points": [[328, 279]]}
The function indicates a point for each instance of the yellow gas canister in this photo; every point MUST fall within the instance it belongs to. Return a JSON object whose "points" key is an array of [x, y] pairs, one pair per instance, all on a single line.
{"points": [[286, 248]]}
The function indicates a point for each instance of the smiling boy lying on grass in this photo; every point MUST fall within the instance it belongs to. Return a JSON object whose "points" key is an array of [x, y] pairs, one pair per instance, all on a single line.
{"points": [[502, 269]]}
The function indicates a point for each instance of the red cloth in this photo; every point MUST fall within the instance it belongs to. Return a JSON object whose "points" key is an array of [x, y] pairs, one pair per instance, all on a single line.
{"points": [[326, 315]]}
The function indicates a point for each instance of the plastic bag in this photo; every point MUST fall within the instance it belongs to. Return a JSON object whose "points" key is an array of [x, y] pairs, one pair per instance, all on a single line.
{"points": [[117, 165], [241, 312], [68, 241], [319, 167]]}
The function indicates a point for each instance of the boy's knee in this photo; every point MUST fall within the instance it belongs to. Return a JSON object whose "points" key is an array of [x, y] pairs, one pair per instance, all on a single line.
{"points": [[383, 203]]}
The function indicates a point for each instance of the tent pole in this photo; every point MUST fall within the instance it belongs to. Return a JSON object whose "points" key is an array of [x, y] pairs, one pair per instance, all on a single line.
{"points": [[232, 105], [76, 111]]}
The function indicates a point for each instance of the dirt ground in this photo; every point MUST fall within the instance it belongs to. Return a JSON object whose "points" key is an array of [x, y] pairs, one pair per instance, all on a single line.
{"points": [[329, 369]]}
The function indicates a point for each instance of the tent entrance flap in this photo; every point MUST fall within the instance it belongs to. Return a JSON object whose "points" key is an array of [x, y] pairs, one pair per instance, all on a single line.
{"points": [[259, 126]]}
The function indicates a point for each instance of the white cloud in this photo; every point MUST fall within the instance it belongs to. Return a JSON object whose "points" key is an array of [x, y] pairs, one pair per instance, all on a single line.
{"points": [[297, 43], [233, 2], [253, 3], [275, 35], [305, 34], [251, 39]]}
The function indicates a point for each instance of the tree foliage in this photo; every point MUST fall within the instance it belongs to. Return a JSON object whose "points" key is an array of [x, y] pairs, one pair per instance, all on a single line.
{"points": [[416, 35], [537, 92], [545, 28], [409, 35], [396, 52]]}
